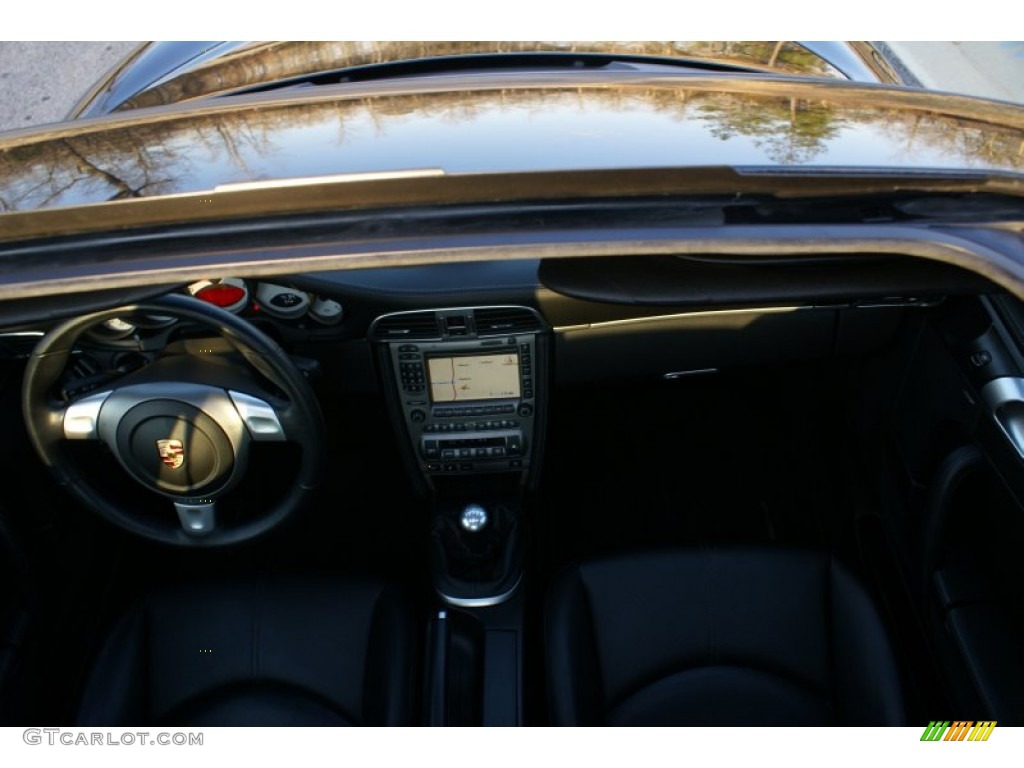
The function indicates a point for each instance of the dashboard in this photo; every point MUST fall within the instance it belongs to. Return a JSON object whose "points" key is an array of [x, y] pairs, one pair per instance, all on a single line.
{"points": [[467, 355]]}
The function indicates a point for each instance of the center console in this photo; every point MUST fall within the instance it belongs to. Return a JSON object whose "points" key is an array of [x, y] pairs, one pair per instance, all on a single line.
{"points": [[469, 385], [467, 388]]}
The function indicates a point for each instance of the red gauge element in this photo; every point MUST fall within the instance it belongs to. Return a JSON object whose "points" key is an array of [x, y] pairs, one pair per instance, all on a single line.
{"points": [[222, 295]]}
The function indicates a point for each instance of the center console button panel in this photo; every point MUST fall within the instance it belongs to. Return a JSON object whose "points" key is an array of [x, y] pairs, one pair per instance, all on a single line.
{"points": [[467, 383]]}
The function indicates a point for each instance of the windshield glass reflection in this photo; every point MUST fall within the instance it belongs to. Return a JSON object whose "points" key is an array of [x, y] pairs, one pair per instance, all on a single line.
{"points": [[494, 130]]}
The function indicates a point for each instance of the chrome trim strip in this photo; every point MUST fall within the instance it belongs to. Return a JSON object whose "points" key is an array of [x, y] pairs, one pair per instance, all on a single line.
{"points": [[908, 302], [481, 602], [677, 316], [339, 178], [673, 375]]}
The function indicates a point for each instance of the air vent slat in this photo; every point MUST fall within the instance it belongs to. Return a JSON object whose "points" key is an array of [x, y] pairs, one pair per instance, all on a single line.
{"points": [[506, 320], [412, 325]]}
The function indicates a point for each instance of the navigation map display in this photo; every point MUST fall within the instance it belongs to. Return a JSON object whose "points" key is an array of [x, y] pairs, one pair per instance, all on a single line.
{"points": [[473, 377]]}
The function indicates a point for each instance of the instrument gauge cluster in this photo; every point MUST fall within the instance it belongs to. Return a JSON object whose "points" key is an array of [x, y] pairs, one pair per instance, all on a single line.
{"points": [[293, 306], [282, 302]]}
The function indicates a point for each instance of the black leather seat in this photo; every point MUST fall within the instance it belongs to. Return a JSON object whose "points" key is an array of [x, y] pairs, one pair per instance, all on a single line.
{"points": [[762, 637], [291, 652]]}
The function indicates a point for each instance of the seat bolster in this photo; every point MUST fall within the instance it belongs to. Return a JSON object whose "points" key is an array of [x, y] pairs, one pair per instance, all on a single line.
{"points": [[866, 676], [575, 688], [116, 691], [390, 662], [266, 705], [723, 695]]}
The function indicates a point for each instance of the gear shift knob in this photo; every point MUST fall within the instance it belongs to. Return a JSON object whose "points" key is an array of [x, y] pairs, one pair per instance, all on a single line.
{"points": [[473, 518]]}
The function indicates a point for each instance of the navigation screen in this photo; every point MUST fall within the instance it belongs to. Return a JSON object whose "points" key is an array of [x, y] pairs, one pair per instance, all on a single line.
{"points": [[473, 377]]}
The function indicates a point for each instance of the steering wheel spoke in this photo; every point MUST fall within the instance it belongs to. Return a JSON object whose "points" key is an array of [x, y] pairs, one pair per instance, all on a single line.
{"points": [[197, 517], [259, 416], [81, 418]]}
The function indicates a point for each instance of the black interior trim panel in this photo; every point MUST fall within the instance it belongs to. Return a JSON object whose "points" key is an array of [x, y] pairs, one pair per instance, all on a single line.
{"points": [[689, 282]]}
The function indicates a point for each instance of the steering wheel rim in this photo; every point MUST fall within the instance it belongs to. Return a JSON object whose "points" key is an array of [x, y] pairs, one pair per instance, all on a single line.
{"points": [[301, 421]]}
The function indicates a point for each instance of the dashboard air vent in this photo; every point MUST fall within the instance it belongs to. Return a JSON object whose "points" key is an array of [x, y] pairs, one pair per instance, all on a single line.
{"points": [[15, 345], [406, 325], [497, 320]]}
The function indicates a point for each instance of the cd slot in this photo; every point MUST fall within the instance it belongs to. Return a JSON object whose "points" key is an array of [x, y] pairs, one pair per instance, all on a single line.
{"points": [[473, 410]]}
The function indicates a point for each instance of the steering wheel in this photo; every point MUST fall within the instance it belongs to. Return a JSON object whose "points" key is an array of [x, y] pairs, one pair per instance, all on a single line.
{"points": [[173, 430]]}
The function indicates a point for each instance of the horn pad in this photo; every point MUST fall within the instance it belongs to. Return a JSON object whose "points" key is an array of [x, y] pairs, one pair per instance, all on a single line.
{"points": [[175, 448]]}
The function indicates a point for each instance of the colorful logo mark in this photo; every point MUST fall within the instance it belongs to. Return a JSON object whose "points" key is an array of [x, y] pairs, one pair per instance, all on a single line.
{"points": [[959, 730]]}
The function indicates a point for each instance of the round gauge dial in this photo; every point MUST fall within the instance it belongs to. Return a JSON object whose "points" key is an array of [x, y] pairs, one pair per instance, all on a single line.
{"points": [[112, 330], [230, 293], [326, 311], [282, 301]]}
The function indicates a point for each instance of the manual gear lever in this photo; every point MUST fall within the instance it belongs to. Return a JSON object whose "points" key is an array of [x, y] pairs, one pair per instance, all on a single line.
{"points": [[477, 552], [473, 518]]}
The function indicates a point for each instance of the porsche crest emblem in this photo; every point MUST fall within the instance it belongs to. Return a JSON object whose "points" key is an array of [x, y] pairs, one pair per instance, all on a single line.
{"points": [[172, 452]]}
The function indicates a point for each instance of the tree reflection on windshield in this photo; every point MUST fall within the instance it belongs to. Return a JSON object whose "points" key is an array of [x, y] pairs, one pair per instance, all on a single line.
{"points": [[495, 129]]}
